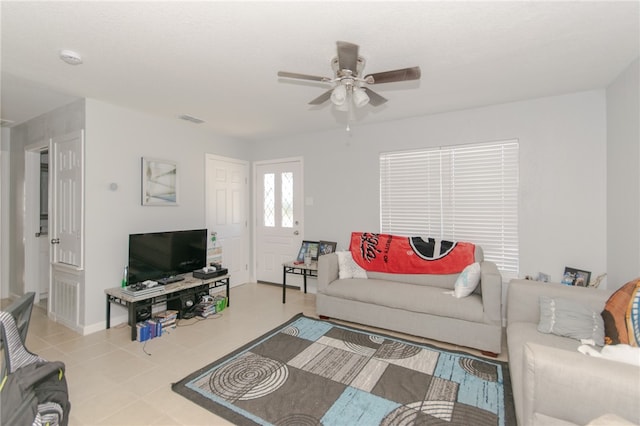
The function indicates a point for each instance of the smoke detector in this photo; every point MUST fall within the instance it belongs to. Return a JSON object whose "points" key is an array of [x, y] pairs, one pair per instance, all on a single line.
{"points": [[71, 57], [191, 118]]}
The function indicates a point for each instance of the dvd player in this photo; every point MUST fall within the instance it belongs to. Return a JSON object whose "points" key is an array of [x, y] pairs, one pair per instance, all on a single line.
{"points": [[171, 279]]}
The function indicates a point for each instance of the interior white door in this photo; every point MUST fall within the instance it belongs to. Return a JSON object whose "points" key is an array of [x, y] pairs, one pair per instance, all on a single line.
{"points": [[67, 230], [279, 216], [227, 204], [66, 227]]}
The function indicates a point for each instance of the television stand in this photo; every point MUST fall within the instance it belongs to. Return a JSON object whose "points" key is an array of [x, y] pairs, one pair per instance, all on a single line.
{"points": [[177, 291]]}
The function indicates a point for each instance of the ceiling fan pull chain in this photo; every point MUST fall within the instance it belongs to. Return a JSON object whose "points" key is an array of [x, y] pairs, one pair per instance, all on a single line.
{"points": [[350, 108]]}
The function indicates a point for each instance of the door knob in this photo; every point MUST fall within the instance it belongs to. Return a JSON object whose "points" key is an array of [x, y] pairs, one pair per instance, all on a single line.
{"points": [[296, 233], [55, 241]]}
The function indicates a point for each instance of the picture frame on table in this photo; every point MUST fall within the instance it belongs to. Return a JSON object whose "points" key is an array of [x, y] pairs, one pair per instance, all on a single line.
{"points": [[545, 278], [327, 247], [576, 277], [308, 247]]}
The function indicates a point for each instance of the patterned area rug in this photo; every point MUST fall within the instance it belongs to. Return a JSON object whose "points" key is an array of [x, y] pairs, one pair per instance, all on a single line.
{"points": [[314, 372]]}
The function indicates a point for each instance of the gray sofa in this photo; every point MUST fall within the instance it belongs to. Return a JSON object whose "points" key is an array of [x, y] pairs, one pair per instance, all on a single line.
{"points": [[553, 383], [416, 303]]}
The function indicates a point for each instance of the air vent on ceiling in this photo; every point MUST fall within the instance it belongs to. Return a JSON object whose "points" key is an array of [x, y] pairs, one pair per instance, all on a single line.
{"points": [[190, 118]]}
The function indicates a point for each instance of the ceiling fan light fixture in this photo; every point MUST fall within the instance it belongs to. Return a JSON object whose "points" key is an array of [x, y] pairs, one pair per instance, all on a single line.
{"points": [[343, 107], [349, 87], [360, 97], [339, 95]]}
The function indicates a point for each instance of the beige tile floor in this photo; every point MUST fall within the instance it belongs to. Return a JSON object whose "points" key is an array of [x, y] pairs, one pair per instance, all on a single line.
{"points": [[114, 381]]}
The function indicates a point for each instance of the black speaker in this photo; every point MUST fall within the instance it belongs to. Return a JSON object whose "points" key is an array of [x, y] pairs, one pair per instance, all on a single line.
{"points": [[184, 304], [143, 312]]}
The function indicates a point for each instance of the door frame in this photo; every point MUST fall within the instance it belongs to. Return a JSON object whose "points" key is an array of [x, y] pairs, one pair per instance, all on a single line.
{"points": [[256, 214], [5, 174], [32, 216]]}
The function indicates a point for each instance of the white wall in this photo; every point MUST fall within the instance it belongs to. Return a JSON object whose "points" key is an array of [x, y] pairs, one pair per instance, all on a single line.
{"points": [[562, 173], [623, 177], [116, 139], [5, 136]]}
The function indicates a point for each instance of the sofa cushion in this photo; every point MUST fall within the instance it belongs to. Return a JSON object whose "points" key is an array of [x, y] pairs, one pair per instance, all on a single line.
{"points": [[467, 281], [347, 267], [621, 315], [444, 281], [568, 318], [519, 333], [409, 297]]}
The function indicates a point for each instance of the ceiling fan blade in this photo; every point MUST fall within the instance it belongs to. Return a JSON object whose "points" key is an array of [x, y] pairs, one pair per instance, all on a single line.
{"points": [[322, 98], [374, 98], [403, 74], [302, 76], [347, 56]]}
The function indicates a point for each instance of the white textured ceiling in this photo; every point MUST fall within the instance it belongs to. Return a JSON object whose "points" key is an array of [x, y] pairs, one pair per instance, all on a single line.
{"points": [[218, 60]]}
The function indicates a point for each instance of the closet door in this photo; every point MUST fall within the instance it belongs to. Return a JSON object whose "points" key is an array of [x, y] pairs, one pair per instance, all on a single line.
{"points": [[67, 228], [227, 204], [68, 200]]}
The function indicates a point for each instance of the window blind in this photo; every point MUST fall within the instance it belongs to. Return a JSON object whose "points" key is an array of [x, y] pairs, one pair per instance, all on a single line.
{"points": [[462, 193]]}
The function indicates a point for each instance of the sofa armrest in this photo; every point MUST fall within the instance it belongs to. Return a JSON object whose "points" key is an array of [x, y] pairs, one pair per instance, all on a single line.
{"points": [[491, 288], [577, 388], [523, 298], [327, 270]]}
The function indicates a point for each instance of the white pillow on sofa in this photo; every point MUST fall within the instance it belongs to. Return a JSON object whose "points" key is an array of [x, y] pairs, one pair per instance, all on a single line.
{"points": [[467, 281], [347, 267]]}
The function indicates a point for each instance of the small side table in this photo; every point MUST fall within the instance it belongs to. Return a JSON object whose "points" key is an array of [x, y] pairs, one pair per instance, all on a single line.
{"points": [[295, 268]]}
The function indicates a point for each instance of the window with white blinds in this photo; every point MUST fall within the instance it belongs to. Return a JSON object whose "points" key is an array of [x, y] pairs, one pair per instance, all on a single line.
{"points": [[461, 193]]}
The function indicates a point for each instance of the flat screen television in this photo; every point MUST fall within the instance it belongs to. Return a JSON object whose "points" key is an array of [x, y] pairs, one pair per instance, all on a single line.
{"points": [[163, 256]]}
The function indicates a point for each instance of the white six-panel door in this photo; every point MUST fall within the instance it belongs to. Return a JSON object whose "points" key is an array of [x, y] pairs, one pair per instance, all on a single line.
{"points": [[67, 228], [227, 205], [68, 200]]}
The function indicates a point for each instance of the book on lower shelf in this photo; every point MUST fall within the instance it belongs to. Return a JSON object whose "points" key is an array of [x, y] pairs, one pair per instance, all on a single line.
{"points": [[204, 309], [167, 318], [154, 327]]}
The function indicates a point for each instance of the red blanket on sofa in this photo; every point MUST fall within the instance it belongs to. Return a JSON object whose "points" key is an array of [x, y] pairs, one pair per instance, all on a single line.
{"points": [[410, 255]]}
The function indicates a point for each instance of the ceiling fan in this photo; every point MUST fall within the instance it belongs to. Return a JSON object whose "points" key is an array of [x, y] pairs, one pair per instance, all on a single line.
{"points": [[349, 85]]}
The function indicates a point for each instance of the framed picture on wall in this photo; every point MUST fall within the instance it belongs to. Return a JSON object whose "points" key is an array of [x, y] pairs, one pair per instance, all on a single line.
{"points": [[577, 277], [159, 182], [327, 247], [308, 247]]}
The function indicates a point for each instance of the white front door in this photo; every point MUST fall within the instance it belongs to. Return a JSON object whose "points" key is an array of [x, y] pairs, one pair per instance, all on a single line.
{"points": [[227, 204], [279, 216]]}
